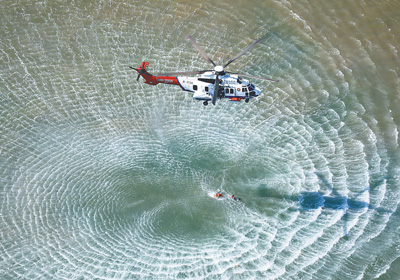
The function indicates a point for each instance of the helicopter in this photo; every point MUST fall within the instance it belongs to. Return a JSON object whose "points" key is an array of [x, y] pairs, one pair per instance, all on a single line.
{"points": [[211, 84]]}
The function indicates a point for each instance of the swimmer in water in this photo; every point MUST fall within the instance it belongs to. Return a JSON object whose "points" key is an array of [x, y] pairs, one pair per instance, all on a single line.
{"points": [[235, 198], [219, 195]]}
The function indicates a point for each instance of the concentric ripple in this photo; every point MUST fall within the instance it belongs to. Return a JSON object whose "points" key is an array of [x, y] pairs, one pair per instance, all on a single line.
{"points": [[103, 177]]}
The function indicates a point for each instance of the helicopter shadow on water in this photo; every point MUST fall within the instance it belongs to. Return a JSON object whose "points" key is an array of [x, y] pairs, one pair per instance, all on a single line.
{"points": [[309, 201]]}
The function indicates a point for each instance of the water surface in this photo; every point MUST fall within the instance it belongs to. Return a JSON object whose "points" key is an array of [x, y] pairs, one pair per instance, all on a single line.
{"points": [[104, 177]]}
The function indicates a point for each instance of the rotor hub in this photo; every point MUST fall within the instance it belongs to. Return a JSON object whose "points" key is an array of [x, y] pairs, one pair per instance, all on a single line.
{"points": [[219, 69]]}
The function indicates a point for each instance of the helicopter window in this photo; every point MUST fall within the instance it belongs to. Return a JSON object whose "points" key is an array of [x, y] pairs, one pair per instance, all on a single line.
{"points": [[227, 90], [232, 91], [244, 89], [194, 87], [206, 89]]}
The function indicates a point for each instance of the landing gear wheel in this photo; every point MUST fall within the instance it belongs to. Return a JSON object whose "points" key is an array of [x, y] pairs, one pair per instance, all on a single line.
{"points": [[205, 103], [247, 100]]}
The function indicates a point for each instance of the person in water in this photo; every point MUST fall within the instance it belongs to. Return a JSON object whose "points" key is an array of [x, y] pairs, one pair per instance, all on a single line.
{"points": [[219, 195], [235, 198]]}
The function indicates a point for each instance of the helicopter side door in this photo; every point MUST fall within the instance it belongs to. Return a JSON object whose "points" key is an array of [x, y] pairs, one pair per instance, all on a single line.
{"points": [[229, 91], [230, 88]]}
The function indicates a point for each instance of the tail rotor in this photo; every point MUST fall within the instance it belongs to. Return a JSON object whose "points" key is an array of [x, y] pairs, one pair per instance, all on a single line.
{"points": [[142, 69]]}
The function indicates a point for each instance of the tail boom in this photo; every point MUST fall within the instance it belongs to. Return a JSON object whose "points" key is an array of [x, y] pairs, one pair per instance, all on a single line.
{"points": [[154, 80]]}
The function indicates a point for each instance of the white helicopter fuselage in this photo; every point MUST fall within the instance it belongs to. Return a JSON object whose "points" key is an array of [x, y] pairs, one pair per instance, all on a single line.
{"points": [[203, 86], [211, 84], [231, 86]]}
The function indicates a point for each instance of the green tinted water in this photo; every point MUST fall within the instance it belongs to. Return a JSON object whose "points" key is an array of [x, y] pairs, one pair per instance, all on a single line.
{"points": [[108, 178]]}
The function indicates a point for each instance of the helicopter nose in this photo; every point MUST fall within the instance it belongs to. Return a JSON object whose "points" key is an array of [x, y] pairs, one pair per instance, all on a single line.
{"points": [[258, 91]]}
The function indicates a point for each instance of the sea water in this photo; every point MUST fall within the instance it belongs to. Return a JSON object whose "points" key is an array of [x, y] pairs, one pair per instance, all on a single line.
{"points": [[103, 177]]}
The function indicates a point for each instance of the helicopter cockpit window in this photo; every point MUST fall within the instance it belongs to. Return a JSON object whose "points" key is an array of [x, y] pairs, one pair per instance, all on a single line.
{"points": [[206, 89], [194, 87]]}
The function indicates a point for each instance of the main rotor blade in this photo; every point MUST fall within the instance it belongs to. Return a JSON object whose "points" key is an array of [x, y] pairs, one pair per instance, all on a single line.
{"points": [[242, 53], [255, 77], [206, 57], [182, 73], [216, 90]]}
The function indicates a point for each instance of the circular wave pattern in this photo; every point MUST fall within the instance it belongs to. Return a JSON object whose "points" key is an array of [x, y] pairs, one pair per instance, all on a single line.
{"points": [[106, 178]]}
